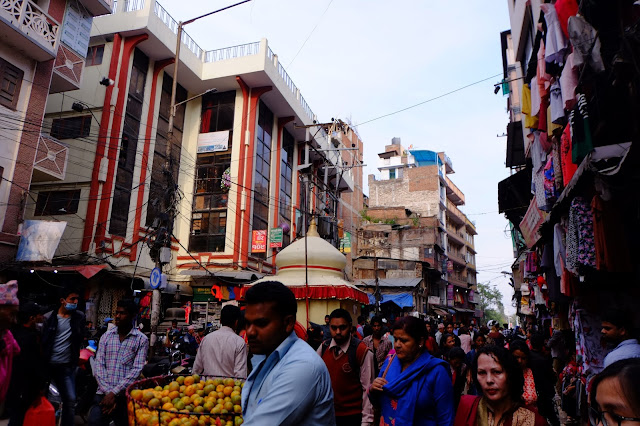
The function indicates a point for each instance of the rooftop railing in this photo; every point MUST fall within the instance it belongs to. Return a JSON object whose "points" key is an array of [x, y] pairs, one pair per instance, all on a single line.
{"points": [[232, 52]]}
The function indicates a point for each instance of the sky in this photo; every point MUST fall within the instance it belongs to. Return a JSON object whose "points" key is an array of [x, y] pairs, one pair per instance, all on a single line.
{"points": [[360, 60]]}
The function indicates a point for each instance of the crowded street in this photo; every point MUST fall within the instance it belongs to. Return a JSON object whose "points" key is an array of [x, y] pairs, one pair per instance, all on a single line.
{"points": [[448, 238]]}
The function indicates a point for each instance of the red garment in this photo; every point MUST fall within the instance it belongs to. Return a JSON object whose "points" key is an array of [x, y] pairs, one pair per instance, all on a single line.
{"points": [[347, 388], [565, 9], [529, 393], [467, 413], [431, 345], [568, 168], [301, 332]]}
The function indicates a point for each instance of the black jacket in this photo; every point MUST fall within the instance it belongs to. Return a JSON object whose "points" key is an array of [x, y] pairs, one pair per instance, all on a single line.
{"points": [[49, 334], [28, 375]]}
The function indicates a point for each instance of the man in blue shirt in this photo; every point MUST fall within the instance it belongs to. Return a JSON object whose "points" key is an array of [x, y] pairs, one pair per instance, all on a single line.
{"points": [[289, 384], [616, 331]]}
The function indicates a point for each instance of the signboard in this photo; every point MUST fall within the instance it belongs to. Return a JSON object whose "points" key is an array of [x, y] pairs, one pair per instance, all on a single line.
{"points": [[345, 243], [531, 223], [449, 266], [39, 240], [472, 296], [275, 237], [434, 300], [450, 292], [259, 241], [155, 278], [213, 141]]}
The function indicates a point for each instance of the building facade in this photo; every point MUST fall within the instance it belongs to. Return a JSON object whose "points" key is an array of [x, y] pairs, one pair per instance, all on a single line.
{"points": [[415, 190], [242, 170]]}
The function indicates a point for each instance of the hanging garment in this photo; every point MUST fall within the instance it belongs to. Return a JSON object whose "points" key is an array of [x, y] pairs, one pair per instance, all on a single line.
{"points": [[538, 189], [549, 183], [542, 116], [557, 106], [564, 10], [612, 250], [545, 142], [568, 167], [581, 143], [589, 351], [544, 79], [556, 43], [557, 165], [535, 98], [581, 251], [530, 121], [586, 44], [538, 154], [553, 128], [568, 83]]}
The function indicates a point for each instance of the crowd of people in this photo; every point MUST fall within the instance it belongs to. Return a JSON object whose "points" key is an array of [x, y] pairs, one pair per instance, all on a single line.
{"points": [[405, 371]]}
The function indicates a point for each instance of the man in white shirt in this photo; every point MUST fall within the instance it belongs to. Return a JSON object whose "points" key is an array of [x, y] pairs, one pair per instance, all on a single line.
{"points": [[223, 353], [617, 332], [439, 333]]}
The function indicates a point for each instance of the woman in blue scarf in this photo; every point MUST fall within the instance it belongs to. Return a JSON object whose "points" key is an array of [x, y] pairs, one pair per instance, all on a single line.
{"points": [[414, 388]]}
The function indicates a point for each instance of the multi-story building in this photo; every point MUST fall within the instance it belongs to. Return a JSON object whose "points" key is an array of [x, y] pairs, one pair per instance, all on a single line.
{"points": [[418, 181], [232, 172], [43, 50]]}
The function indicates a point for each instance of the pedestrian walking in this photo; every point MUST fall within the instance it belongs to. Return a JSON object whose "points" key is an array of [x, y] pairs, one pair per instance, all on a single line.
{"points": [[378, 344], [465, 339], [119, 360], [520, 352], [617, 334], [447, 342], [430, 343], [478, 341], [542, 368], [460, 374], [326, 331], [351, 367], [499, 377], [615, 396], [62, 340], [289, 383], [439, 333], [223, 353], [9, 348], [414, 387], [28, 378]]}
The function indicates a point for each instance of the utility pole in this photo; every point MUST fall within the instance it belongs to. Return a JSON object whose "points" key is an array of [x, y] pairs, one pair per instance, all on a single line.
{"points": [[168, 201]]}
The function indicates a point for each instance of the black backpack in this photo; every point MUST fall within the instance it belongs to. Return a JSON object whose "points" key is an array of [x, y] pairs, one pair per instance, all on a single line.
{"points": [[352, 353]]}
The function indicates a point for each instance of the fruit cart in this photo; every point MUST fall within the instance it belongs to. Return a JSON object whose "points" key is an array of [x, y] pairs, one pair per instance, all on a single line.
{"points": [[185, 400]]}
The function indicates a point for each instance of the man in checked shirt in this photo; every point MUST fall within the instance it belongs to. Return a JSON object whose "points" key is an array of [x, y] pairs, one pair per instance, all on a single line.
{"points": [[121, 355]]}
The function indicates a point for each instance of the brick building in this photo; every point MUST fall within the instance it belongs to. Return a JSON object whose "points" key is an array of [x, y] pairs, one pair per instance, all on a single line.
{"points": [[419, 204]]}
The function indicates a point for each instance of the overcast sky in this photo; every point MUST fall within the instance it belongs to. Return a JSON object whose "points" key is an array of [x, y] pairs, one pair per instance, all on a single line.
{"points": [[364, 59]]}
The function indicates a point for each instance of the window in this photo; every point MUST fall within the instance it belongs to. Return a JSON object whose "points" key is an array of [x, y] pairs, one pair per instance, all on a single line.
{"points": [[217, 112], [261, 177], [71, 127], [51, 203], [128, 146], [10, 82], [94, 55], [76, 28], [392, 173], [286, 186], [209, 217]]}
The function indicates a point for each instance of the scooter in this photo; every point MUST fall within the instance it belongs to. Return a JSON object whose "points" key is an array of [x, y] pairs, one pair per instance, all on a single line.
{"points": [[54, 397]]}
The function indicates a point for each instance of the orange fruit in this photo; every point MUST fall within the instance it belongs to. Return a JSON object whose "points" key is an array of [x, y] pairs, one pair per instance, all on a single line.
{"points": [[174, 386], [227, 391], [147, 396], [154, 402], [173, 394], [190, 390], [167, 406], [189, 380], [136, 394]]}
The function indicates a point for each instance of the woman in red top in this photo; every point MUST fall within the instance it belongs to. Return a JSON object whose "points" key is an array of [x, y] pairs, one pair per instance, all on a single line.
{"points": [[520, 352], [499, 377]]}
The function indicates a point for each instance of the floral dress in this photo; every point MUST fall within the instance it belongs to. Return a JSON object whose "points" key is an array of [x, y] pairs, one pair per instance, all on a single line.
{"points": [[529, 394]]}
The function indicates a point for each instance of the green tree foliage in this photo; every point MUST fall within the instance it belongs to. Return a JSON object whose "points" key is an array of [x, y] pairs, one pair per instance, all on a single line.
{"points": [[491, 303]]}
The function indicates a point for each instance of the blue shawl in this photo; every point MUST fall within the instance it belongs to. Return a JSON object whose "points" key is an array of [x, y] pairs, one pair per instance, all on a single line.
{"points": [[422, 385]]}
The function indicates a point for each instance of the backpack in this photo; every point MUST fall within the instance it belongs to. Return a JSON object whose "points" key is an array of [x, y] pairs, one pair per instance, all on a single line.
{"points": [[351, 353]]}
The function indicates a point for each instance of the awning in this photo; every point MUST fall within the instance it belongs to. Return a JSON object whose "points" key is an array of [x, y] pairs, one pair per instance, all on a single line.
{"points": [[464, 310], [403, 300], [86, 271], [390, 282], [237, 275], [440, 312]]}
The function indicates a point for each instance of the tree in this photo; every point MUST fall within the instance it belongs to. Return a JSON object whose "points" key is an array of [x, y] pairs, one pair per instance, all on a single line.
{"points": [[491, 303]]}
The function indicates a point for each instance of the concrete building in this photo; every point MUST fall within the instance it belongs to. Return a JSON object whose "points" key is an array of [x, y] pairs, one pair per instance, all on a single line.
{"points": [[416, 190], [237, 159], [43, 50]]}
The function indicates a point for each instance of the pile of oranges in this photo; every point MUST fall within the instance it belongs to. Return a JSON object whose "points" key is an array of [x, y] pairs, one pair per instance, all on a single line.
{"points": [[186, 400]]}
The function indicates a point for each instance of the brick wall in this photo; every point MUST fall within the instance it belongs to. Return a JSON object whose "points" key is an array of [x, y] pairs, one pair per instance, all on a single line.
{"points": [[417, 191]]}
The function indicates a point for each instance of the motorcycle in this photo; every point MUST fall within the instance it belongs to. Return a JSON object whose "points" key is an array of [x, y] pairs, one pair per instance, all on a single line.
{"points": [[54, 397]]}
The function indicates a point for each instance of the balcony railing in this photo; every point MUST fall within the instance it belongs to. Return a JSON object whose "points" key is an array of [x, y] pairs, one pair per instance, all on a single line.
{"points": [[455, 214], [232, 52], [172, 24], [50, 162], [34, 22], [453, 192]]}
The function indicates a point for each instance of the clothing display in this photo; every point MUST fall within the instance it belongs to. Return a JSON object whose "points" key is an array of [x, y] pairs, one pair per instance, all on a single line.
{"points": [[589, 351], [550, 192], [569, 83], [568, 167], [559, 251], [586, 44], [564, 10], [557, 107], [612, 250], [581, 143], [530, 121], [581, 252]]}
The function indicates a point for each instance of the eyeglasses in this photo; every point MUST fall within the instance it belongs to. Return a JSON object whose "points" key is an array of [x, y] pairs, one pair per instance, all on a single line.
{"points": [[339, 327], [596, 417]]}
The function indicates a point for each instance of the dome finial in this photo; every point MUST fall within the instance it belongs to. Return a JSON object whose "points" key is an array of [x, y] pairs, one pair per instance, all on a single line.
{"points": [[313, 230]]}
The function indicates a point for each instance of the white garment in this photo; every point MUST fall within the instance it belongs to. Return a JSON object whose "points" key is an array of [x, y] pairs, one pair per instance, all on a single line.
{"points": [[535, 98], [555, 42], [557, 106], [568, 83], [586, 43], [559, 250], [222, 354]]}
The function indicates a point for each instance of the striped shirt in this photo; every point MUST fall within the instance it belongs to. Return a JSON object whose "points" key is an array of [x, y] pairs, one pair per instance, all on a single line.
{"points": [[118, 364]]}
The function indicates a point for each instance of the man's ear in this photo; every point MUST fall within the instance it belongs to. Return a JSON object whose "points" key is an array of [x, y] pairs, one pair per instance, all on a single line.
{"points": [[289, 323]]}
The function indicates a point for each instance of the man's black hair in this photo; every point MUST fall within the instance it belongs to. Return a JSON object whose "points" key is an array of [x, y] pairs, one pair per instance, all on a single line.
{"points": [[273, 292], [478, 335], [617, 317], [457, 353], [376, 319], [537, 341], [341, 313], [519, 345], [229, 315], [67, 290], [361, 319], [129, 305]]}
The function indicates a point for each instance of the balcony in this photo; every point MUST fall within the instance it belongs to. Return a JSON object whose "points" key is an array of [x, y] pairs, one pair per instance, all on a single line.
{"points": [[28, 28], [455, 238], [453, 192], [457, 258], [51, 159], [457, 281], [471, 227], [98, 7], [67, 71], [455, 215]]}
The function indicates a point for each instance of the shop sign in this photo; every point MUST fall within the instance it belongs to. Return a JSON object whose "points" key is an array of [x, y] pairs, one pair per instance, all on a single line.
{"points": [[530, 225], [275, 237], [213, 141], [259, 241], [450, 292], [449, 266], [434, 300], [39, 240], [345, 243], [472, 296]]}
